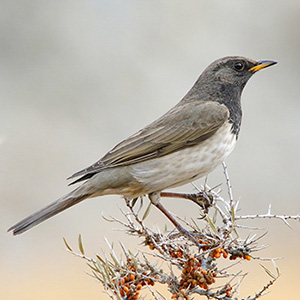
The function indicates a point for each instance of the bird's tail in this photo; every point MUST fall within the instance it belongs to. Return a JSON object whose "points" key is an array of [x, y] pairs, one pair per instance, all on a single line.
{"points": [[51, 210]]}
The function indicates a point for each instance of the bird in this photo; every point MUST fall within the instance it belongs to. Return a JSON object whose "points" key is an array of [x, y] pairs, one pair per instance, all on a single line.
{"points": [[186, 143]]}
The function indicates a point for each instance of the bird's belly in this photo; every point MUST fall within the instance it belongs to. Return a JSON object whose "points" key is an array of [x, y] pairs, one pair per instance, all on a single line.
{"points": [[185, 165]]}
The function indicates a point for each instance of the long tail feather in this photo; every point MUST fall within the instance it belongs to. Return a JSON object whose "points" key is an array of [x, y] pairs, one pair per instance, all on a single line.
{"points": [[49, 211]]}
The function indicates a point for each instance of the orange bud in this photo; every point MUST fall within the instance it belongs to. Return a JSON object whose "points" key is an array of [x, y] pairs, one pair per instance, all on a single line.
{"points": [[131, 277], [126, 290]]}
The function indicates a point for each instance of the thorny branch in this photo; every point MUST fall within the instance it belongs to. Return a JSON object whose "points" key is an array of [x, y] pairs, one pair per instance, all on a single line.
{"points": [[268, 215], [187, 269]]}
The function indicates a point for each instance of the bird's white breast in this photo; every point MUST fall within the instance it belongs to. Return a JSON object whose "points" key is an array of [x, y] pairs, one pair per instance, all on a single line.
{"points": [[185, 165]]}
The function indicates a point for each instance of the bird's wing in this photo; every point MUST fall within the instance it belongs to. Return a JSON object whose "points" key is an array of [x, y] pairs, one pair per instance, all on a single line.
{"points": [[183, 126]]}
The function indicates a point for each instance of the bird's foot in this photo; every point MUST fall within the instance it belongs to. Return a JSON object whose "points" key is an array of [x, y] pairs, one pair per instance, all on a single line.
{"points": [[154, 198], [202, 198]]}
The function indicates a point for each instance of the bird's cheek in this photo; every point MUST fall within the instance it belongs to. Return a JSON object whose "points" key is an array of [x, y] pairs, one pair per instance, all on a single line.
{"points": [[227, 78]]}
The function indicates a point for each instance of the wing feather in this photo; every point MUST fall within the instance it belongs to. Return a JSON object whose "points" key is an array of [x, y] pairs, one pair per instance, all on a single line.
{"points": [[183, 126]]}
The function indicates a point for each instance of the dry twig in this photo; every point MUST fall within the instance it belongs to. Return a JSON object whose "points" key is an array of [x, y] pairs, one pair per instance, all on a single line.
{"points": [[196, 266]]}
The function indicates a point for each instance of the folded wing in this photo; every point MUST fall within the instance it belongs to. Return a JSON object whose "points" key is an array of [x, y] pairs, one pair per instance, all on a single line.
{"points": [[183, 126]]}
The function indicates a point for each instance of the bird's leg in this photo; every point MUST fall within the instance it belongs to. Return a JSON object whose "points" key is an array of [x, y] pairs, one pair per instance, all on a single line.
{"points": [[155, 200], [203, 199]]}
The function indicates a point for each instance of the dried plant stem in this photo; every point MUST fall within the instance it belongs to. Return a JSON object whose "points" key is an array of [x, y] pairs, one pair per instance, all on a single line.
{"points": [[187, 267]]}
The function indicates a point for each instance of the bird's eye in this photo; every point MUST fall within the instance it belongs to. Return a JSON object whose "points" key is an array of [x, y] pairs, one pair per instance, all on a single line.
{"points": [[239, 66]]}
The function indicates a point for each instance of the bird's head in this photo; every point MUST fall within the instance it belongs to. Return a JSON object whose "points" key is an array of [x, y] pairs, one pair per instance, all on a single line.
{"points": [[235, 70]]}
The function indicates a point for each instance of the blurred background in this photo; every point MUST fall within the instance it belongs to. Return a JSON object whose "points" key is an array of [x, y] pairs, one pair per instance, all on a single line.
{"points": [[79, 76]]}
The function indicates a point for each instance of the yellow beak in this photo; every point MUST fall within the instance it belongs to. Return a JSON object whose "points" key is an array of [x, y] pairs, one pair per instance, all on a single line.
{"points": [[262, 64]]}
